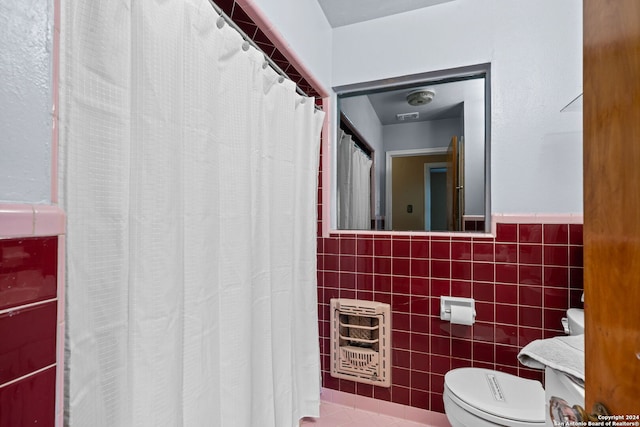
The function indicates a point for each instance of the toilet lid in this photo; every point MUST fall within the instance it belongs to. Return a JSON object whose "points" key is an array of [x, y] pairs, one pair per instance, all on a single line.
{"points": [[499, 394]]}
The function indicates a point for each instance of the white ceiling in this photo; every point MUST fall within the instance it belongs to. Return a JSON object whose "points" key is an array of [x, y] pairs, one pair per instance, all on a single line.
{"points": [[388, 104], [446, 104], [345, 12]]}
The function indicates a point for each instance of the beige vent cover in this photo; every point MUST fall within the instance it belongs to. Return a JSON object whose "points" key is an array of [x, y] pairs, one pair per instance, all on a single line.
{"points": [[360, 341]]}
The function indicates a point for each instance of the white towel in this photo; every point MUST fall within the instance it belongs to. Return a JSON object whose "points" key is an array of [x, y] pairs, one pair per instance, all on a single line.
{"points": [[564, 353]]}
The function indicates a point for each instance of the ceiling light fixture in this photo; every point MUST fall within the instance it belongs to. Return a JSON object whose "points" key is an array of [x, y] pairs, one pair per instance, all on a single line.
{"points": [[420, 97]]}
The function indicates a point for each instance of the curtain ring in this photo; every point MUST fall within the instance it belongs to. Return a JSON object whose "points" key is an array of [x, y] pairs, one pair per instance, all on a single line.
{"points": [[303, 100], [245, 46], [280, 79], [220, 22]]}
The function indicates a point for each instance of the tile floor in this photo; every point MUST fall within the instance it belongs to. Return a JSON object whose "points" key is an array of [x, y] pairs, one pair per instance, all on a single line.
{"points": [[335, 415]]}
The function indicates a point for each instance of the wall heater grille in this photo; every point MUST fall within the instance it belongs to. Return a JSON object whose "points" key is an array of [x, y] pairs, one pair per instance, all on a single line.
{"points": [[360, 341]]}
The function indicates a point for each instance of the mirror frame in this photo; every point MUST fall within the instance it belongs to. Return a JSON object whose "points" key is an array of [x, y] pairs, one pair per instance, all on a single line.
{"points": [[329, 185]]}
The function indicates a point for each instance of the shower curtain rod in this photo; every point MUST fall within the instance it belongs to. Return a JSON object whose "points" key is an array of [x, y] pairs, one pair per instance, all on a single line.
{"points": [[249, 40], [367, 154]]}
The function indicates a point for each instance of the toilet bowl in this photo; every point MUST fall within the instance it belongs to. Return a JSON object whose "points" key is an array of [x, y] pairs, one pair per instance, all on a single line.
{"points": [[476, 397]]}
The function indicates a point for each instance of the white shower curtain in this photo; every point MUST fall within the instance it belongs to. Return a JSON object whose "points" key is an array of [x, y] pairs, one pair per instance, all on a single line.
{"points": [[188, 175], [354, 185]]}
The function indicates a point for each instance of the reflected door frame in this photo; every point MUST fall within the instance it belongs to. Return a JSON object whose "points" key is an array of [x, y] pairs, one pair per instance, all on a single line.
{"points": [[427, 191], [388, 223]]}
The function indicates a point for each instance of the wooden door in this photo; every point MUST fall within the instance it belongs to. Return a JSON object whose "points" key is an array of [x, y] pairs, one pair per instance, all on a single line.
{"points": [[455, 172], [612, 204], [460, 185]]}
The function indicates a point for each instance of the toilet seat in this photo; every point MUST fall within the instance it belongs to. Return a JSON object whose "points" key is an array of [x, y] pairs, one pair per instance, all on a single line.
{"points": [[497, 397]]}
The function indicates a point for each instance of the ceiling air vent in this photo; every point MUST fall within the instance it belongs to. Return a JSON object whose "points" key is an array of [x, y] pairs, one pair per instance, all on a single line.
{"points": [[402, 117]]}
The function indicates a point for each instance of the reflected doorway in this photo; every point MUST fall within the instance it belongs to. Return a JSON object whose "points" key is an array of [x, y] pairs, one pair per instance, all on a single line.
{"points": [[407, 200], [435, 211]]}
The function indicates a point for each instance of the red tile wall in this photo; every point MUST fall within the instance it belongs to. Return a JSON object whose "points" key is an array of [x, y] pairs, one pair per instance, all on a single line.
{"points": [[28, 340], [27, 402], [28, 324], [523, 280], [28, 270]]}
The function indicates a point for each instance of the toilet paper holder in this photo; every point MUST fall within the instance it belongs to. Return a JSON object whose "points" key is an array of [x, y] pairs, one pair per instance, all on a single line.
{"points": [[447, 302]]}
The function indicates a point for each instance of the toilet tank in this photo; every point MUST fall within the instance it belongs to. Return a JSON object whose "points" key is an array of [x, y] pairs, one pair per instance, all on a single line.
{"points": [[574, 322], [559, 384], [575, 317]]}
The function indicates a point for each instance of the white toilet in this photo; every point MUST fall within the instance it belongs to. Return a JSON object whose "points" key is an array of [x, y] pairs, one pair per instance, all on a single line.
{"points": [[475, 397]]}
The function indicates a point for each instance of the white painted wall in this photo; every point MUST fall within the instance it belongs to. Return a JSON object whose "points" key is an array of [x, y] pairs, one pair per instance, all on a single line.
{"points": [[535, 48], [428, 134], [535, 51], [305, 28], [474, 156], [26, 44]]}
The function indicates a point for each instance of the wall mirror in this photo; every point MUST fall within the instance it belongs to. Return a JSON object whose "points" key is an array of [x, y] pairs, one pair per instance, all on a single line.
{"points": [[412, 153]]}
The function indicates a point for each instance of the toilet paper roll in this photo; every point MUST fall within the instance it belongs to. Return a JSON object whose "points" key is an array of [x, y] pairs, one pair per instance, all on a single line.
{"points": [[462, 315]]}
